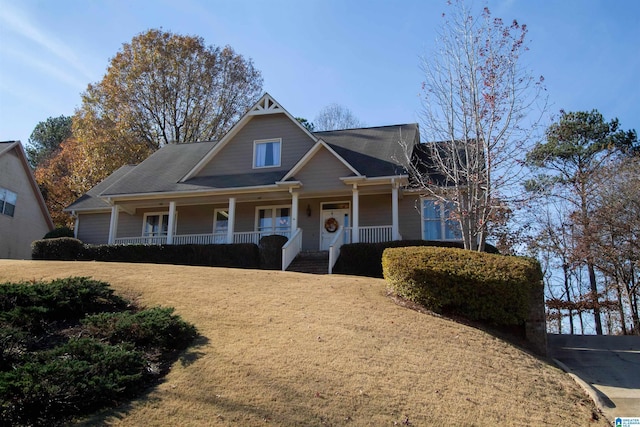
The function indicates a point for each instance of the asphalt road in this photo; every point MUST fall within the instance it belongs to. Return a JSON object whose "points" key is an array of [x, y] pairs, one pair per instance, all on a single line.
{"points": [[608, 367]]}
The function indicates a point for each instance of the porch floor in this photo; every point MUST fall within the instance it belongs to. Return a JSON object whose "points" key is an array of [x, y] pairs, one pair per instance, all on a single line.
{"points": [[311, 262]]}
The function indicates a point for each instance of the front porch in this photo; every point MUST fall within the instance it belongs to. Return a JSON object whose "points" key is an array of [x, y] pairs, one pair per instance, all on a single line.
{"points": [[373, 234], [344, 235]]}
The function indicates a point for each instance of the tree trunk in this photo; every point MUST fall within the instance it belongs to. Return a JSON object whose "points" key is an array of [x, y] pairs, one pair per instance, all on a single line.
{"points": [[565, 268], [594, 290]]}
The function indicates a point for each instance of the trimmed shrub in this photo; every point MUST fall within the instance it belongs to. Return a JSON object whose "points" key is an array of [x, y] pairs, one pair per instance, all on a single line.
{"points": [[239, 255], [271, 251], [59, 232], [365, 259], [58, 249], [478, 286]]}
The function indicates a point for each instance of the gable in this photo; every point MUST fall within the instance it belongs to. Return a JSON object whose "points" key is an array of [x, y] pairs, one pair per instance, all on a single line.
{"points": [[323, 172], [16, 176], [237, 154]]}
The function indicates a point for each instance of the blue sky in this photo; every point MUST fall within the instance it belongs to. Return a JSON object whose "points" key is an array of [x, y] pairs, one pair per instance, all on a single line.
{"points": [[362, 54]]}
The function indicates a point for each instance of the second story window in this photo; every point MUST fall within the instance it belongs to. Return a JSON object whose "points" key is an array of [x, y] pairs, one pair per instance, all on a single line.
{"points": [[8, 201], [266, 153]]}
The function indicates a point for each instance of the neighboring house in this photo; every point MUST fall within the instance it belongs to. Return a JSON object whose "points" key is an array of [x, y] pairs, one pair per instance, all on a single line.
{"points": [[23, 214], [267, 175]]}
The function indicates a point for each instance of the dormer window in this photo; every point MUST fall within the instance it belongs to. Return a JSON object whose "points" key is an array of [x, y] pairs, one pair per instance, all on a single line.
{"points": [[266, 153]]}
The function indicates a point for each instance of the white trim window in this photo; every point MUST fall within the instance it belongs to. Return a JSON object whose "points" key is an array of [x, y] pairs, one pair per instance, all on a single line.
{"points": [[273, 219], [220, 225], [8, 201], [156, 224], [266, 153], [437, 223]]}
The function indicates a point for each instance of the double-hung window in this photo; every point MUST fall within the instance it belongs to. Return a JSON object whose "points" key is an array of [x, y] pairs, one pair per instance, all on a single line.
{"points": [[8, 201], [156, 224], [273, 220], [266, 153], [437, 223], [220, 225]]}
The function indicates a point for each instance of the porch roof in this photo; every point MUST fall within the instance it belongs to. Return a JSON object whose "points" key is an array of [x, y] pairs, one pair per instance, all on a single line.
{"points": [[91, 199]]}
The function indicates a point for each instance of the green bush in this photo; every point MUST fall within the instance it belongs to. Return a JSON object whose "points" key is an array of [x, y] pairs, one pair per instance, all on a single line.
{"points": [[58, 249], [77, 377], [478, 286], [28, 305], [365, 259], [155, 327], [271, 251], [59, 232], [47, 374]]}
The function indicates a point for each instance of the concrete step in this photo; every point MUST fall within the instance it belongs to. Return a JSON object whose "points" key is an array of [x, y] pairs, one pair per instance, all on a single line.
{"points": [[311, 262]]}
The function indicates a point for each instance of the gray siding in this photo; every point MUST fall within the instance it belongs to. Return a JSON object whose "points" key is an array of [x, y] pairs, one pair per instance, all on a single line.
{"points": [[375, 210], [409, 217], [322, 173], [196, 219], [237, 156], [310, 224], [130, 225], [93, 228]]}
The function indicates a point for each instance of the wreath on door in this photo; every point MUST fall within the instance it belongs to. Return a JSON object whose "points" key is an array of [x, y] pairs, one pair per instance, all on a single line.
{"points": [[331, 225]]}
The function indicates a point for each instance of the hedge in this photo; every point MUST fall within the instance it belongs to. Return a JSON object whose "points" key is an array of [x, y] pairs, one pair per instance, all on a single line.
{"points": [[365, 259], [271, 251], [491, 288], [242, 255]]}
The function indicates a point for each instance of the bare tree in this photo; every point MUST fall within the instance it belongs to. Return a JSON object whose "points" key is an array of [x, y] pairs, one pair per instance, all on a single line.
{"points": [[334, 117], [616, 236], [478, 103]]}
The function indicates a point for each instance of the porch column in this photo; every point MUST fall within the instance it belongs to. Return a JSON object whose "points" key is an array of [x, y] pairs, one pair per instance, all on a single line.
{"points": [[395, 228], [113, 224], [294, 211], [355, 232], [172, 222], [232, 219]]}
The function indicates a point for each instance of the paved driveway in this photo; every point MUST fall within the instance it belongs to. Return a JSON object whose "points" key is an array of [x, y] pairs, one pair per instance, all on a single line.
{"points": [[607, 366]]}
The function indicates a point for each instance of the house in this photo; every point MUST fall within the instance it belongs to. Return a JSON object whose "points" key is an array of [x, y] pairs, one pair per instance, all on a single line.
{"points": [[267, 175], [23, 214]]}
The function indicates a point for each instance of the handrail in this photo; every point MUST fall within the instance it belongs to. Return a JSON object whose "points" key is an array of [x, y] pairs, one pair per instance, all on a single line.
{"points": [[334, 248], [291, 249]]}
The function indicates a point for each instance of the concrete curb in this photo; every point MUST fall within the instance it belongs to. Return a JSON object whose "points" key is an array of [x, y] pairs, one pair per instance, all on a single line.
{"points": [[592, 392]]}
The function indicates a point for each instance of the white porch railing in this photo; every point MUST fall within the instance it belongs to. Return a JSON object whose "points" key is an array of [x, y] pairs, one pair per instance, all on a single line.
{"points": [[200, 239], [155, 240], [255, 236], [291, 249], [376, 234]]}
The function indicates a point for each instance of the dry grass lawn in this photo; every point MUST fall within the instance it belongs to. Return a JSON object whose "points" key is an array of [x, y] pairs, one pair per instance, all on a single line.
{"points": [[293, 349]]}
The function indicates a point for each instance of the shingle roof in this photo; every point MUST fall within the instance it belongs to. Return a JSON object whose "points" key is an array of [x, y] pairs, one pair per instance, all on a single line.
{"points": [[372, 151], [162, 171], [91, 199]]}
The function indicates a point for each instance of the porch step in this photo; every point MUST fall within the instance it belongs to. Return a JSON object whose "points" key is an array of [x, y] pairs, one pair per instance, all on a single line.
{"points": [[311, 262]]}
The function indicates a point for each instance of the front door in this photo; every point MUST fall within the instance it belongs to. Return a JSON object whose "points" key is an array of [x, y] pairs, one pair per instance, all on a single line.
{"points": [[334, 216]]}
